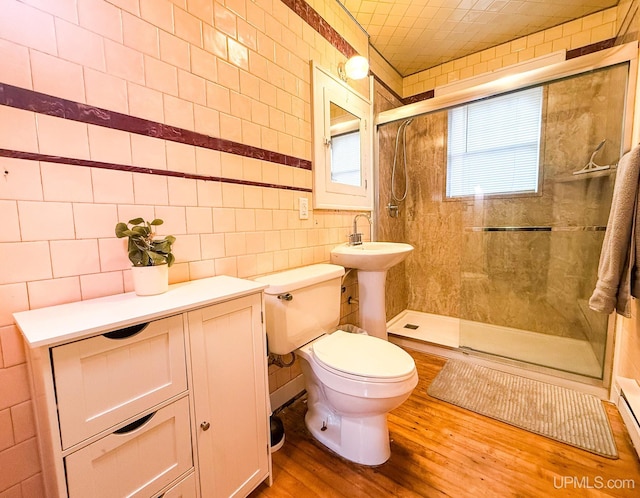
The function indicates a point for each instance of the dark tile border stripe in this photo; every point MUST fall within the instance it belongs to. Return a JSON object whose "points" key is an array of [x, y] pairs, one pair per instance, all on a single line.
{"points": [[429, 94], [29, 100], [418, 97], [34, 156], [315, 20], [589, 49], [388, 88]]}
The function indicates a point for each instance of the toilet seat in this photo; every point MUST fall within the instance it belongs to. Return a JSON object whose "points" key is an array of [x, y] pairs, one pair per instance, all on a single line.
{"points": [[362, 357]]}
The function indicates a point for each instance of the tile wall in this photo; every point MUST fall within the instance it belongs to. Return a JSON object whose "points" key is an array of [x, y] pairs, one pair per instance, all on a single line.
{"points": [[588, 30], [193, 111]]}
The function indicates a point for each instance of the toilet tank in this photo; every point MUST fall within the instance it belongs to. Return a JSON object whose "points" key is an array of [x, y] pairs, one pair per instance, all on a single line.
{"points": [[301, 304]]}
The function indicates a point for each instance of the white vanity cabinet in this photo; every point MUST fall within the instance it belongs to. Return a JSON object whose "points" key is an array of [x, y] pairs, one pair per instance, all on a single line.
{"points": [[152, 396]]}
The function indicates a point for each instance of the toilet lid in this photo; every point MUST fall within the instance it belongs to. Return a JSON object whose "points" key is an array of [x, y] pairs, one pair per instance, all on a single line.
{"points": [[363, 355]]}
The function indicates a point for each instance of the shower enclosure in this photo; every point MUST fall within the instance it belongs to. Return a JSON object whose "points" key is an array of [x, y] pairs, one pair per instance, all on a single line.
{"points": [[510, 275]]}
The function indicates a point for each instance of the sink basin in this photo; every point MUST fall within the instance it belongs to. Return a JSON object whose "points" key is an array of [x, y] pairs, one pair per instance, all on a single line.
{"points": [[370, 256]]}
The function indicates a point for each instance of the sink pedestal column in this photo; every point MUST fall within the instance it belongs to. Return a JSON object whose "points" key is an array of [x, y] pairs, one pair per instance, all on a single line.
{"points": [[371, 260], [371, 305]]}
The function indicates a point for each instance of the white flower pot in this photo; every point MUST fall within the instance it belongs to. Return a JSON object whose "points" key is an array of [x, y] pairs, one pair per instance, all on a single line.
{"points": [[150, 280]]}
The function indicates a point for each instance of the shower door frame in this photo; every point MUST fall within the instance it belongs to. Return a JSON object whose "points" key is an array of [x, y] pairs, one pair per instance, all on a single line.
{"points": [[521, 76], [538, 71]]}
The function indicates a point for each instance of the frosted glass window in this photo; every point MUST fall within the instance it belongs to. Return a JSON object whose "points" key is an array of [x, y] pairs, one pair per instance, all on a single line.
{"points": [[347, 148], [494, 145]]}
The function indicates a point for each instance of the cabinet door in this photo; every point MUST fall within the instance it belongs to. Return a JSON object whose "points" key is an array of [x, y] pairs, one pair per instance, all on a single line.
{"points": [[228, 352]]}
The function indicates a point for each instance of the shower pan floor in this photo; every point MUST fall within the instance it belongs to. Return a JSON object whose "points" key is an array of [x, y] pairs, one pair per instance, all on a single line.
{"points": [[561, 353]]}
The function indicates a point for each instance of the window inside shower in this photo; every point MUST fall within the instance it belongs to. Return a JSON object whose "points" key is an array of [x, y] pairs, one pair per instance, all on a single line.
{"points": [[493, 146]]}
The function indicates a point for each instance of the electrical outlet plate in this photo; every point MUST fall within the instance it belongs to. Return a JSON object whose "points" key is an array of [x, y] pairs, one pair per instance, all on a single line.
{"points": [[303, 208]]}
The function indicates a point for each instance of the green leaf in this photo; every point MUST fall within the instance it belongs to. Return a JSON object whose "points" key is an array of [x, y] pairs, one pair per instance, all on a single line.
{"points": [[136, 221], [157, 259], [139, 244], [135, 257], [157, 221], [144, 231], [121, 229], [161, 246]]}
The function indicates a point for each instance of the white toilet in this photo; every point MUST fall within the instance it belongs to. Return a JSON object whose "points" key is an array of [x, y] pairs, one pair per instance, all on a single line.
{"points": [[352, 380]]}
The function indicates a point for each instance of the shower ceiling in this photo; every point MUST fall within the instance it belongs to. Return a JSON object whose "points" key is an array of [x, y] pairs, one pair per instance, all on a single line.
{"points": [[414, 35]]}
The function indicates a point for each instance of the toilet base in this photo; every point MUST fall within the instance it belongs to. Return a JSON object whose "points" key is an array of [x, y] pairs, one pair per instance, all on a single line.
{"points": [[363, 440]]}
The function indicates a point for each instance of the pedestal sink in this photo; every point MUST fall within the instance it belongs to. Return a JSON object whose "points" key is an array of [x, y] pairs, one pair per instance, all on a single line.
{"points": [[371, 260]]}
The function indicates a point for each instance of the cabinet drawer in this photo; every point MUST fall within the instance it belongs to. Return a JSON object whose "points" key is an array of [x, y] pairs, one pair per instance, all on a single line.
{"points": [[184, 489], [136, 463], [104, 380]]}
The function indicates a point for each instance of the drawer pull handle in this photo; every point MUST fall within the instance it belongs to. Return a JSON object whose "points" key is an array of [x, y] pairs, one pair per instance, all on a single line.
{"points": [[126, 332], [205, 426], [134, 425], [285, 297]]}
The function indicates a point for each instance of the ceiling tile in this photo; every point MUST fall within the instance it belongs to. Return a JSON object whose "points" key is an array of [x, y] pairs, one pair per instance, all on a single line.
{"points": [[414, 35]]}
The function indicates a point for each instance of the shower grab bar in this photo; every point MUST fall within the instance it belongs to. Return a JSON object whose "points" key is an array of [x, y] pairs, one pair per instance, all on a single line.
{"points": [[594, 228]]}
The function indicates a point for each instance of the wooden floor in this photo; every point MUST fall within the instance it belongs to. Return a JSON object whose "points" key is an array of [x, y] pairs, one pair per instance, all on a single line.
{"points": [[438, 449]]}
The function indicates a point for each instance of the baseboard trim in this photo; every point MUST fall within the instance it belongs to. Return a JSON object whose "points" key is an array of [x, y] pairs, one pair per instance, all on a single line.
{"points": [[628, 404], [284, 394]]}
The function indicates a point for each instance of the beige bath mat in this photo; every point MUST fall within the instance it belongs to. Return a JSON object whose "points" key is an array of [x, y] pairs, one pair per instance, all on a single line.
{"points": [[555, 412]]}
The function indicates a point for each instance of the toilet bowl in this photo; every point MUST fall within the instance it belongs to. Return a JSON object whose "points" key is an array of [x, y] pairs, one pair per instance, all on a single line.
{"points": [[352, 380], [348, 402]]}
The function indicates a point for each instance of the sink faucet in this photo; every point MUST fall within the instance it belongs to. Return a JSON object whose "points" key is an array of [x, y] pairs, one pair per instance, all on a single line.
{"points": [[355, 238]]}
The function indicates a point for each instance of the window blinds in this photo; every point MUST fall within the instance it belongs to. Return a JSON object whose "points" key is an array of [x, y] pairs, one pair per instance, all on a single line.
{"points": [[494, 145]]}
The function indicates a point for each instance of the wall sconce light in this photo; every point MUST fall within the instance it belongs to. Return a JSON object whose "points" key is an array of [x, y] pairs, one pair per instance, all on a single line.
{"points": [[356, 68]]}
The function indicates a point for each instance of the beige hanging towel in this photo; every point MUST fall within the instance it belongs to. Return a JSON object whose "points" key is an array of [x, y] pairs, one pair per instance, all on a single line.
{"points": [[617, 271]]}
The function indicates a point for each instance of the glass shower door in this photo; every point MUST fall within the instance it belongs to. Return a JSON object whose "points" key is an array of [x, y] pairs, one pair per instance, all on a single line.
{"points": [[529, 263]]}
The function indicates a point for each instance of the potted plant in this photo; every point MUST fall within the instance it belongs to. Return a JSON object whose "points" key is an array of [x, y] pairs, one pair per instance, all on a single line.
{"points": [[150, 256]]}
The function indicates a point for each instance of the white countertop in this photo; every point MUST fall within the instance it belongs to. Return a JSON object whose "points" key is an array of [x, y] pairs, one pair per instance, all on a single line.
{"points": [[66, 322]]}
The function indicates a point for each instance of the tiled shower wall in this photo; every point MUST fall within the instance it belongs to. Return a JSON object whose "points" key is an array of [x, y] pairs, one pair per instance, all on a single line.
{"points": [[536, 281], [193, 111]]}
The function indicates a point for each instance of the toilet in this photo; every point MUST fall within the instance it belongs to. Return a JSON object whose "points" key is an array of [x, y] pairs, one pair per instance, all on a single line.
{"points": [[352, 380]]}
